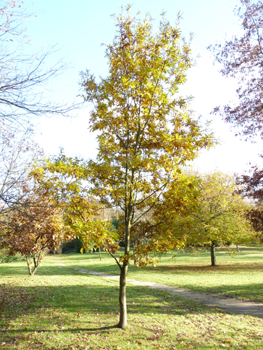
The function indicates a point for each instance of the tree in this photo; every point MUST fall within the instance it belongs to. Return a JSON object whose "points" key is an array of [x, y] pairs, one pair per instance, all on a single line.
{"points": [[145, 131], [214, 214], [32, 229], [21, 73], [17, 151], [242, 58], [251, 188]]}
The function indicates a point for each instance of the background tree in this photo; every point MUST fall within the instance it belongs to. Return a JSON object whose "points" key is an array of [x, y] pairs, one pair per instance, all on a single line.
{"points": [[32, 229], [145, 131], [251, 188], [213, 214], [242, 58], [17, 152], [22, 73]]}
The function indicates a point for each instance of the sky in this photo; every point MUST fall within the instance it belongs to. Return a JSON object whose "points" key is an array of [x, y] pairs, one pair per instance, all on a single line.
{"points": [[78, 29]]}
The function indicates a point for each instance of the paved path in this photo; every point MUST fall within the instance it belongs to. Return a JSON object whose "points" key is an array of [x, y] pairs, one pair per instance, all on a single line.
{"points": [[229, 304]]}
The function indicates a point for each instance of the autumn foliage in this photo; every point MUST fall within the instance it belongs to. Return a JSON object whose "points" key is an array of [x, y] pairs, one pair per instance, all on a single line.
{"points": [[241, 58], [36, 226], [64, 180], [214, 213], [145, 130], [252, 189]]}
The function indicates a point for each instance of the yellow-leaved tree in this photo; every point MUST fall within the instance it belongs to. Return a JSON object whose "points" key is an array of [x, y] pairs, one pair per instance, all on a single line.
{"points": [[214, 214], [145, 131]]}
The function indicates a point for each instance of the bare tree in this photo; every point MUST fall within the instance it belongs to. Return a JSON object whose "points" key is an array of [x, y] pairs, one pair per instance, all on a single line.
{"points": [[22, 72], [17, 152]]}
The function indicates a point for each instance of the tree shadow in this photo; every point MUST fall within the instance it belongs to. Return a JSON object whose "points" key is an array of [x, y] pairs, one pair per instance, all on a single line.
{"points": [[60, 304], [43, 270], [44, 330], [207, 269]]}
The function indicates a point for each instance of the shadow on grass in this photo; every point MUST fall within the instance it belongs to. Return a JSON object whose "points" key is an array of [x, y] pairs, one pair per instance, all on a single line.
{"points": [[70, 305], [12, 270], [181, 269], [49, 270], [28, 330]]}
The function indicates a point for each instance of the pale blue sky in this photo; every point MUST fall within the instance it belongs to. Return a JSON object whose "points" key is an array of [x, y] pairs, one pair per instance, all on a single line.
{"points": [[79, 28]]}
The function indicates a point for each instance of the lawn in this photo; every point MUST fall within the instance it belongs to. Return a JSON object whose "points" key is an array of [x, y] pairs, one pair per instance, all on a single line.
{"points": [[60, 308], [239, 275]]}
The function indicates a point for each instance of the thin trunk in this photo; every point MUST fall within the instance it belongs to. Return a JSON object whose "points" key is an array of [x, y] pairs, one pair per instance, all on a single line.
{"points": [[122, 297], [28, 265], [100, 253], [134, 255], [237, 247], [124, 268], [34, 270], [123, 275], [213, 256], [36, 264]]}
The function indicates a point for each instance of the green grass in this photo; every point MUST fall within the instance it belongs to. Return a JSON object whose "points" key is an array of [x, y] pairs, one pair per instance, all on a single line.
{"points": [[60, 308], [239, 276]]}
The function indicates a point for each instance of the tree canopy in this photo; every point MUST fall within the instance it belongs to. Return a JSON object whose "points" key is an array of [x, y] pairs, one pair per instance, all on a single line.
{"points": [[32, 229], [242, 58], [214, 214]]}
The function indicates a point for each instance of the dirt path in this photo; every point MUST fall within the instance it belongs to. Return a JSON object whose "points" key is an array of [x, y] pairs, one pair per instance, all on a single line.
{"points": [[229, 304]]}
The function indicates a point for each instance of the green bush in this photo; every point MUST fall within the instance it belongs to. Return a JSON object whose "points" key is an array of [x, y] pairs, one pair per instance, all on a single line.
{"points": [[4, 258], [73, 246]]}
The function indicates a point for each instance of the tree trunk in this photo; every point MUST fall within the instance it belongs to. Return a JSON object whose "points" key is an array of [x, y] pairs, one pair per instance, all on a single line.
{"points": [[124, 269], [122, 297], [36, 263], [33, 271], [28, 265], [100, 253], [237, 247], [213, 256]]}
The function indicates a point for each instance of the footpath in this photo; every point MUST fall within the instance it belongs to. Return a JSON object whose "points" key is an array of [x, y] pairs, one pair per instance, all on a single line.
{"points": [[228, 304]]}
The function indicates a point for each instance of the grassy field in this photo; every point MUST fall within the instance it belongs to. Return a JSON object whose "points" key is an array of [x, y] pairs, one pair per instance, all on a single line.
{"points": [[60, 308], [239, 276]]}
